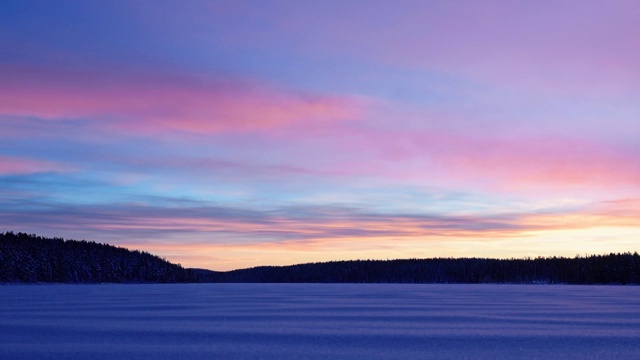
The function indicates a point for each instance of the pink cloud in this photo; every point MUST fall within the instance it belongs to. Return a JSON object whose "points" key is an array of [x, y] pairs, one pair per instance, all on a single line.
{"points": [[555, 162], [21, 166], [623, 212], [447, 158], [152, 103]]}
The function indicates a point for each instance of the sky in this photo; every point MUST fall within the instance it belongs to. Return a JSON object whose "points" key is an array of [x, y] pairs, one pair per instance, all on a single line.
{"points": [[232, 134]]}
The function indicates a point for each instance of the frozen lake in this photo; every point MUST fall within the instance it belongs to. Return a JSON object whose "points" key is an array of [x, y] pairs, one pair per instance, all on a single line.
{"points": [[319, 321]]}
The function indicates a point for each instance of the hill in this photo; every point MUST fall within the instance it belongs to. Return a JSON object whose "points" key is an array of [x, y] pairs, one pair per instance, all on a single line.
{"points": [[30, 258]]}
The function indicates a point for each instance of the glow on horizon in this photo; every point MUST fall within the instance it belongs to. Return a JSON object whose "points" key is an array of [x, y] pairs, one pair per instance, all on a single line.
{"points": [[594, 240], [225, 135]]}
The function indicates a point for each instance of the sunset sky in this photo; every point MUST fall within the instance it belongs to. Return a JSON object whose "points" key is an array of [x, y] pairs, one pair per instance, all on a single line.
{"points": [[230, 134]]}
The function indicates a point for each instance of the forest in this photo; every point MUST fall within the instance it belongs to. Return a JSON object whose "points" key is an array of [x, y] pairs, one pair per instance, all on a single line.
{"points": [[34, 259], [597, 269]]}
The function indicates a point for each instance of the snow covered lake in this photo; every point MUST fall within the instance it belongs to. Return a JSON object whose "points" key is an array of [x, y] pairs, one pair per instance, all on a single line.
{"points": [[319, 321]]}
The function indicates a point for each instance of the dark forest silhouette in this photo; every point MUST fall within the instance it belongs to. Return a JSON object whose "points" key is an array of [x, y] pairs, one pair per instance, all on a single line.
{"points": [[607, 269], [30, 258]]}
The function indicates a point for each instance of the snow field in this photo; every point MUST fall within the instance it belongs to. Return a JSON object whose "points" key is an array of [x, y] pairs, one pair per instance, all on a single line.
{"points": [[319, 321]]}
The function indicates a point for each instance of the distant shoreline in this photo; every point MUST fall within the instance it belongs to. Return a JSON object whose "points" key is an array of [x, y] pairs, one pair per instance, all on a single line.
{"points": [[28, 258]]}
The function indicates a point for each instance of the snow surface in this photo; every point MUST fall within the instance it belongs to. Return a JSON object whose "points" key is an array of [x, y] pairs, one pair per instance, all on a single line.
{"points": [[319, 321]]}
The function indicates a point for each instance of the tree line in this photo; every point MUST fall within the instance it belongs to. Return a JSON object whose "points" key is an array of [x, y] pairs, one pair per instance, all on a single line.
{"points": [[597, 269], [31, 259]]}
